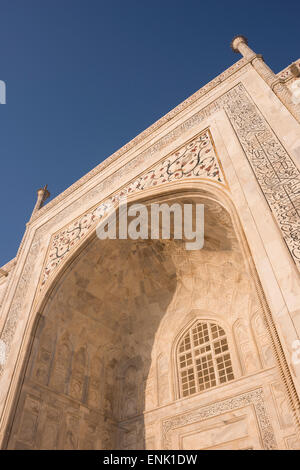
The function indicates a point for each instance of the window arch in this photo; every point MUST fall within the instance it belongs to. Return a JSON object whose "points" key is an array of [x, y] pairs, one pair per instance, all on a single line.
{"points": [[203, 358]]}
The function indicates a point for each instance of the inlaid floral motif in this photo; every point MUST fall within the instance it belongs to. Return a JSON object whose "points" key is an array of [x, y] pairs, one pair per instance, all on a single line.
{"points": [[196, 159]]}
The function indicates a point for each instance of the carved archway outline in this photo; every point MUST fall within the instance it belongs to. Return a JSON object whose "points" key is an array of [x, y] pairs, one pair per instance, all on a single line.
{"points": [[189, 188]]}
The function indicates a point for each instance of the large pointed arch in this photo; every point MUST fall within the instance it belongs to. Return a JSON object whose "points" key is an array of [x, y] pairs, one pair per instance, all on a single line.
{"points": [[178, 190]]}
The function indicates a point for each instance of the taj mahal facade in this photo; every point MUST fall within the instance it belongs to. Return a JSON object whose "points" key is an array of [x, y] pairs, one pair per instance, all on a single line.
{"points": [[142, 344]]}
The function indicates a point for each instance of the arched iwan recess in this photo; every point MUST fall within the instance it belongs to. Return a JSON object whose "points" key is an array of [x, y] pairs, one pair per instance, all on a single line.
{"points": [[101, 370]]}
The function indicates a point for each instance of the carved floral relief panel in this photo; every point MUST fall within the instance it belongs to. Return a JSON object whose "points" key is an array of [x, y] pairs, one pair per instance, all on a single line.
{"points": [[274, 169], [254, 398]]}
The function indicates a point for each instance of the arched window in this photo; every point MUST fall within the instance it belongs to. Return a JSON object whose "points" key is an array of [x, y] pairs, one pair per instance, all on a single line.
{"points": [[203, 358]]}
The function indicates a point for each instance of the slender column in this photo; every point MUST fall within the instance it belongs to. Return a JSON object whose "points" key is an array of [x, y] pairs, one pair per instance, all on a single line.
{"points": [[240, 44]]}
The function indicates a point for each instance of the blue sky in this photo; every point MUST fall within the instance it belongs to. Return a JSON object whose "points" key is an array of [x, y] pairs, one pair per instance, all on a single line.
{"points": [[85, 76]]}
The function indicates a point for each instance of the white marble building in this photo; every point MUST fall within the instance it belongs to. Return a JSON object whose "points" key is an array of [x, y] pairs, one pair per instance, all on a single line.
{"points": [[141, 344]]}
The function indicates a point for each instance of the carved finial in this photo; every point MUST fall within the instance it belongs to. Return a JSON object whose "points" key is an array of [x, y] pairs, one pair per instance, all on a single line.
{"points": [[236, 41], [42, 195], [45, 194]]}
